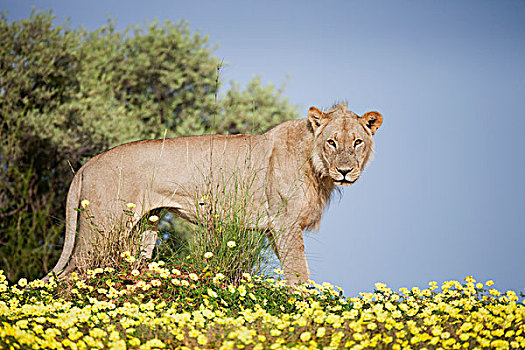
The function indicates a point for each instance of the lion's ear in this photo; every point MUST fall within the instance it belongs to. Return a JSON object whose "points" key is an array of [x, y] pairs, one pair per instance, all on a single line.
{"points": [[315, 116], [372, 120]]}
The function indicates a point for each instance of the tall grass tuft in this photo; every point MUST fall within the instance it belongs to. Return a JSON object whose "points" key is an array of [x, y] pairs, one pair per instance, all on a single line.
{"points": [[125, 234], [229, 236]]}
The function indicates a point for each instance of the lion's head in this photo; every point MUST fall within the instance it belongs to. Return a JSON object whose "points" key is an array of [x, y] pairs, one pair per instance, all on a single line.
{"points": [[343, 142]]}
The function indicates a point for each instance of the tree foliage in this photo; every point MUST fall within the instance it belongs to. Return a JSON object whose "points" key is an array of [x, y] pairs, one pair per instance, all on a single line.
{"points": [[67, 94]]}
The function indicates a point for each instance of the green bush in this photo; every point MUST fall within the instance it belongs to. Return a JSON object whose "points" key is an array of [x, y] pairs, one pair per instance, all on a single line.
{"points": [[67, 94]]}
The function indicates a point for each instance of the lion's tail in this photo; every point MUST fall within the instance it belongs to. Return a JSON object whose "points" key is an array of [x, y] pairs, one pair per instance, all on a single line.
{"points": [[73, 199]]}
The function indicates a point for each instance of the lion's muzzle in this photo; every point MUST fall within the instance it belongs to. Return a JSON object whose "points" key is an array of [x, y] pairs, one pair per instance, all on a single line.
{"points": [[345, 176]]}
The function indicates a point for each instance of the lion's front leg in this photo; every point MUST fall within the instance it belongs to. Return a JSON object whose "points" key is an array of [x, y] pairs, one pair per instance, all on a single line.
{"points": [[290, 251], [148, 241]]}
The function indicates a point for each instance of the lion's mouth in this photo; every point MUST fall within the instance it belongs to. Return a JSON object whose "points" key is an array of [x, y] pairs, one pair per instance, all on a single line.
{"points": [[344, 182]]}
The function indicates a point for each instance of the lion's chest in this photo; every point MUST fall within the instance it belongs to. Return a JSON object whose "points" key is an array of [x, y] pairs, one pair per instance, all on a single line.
{"points": [[317, 196]]}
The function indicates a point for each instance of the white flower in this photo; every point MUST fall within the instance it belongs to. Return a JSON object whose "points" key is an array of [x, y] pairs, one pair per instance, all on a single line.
{"points": [[84, 203], [154, 218], [242, 290], [231, 244], [22, 282], [208, 255], [218, 277], [156, 283], [193, 276], [278, 271], [153, 266], [131, 205]]}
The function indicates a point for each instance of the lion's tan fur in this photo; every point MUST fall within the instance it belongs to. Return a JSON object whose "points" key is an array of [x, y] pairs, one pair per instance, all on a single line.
{"points": [[294, 168]]}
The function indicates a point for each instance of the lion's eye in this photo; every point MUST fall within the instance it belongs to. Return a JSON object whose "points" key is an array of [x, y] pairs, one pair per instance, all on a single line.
{"points": [[357, 142], [331, 143]]}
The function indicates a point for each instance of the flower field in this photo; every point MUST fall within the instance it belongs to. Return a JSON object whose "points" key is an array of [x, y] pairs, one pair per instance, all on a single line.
{"points": [[159, 306]]}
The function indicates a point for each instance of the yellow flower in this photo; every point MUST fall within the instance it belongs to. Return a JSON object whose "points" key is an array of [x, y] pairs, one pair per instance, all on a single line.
{"points": [[202, 340], [464, 337], [84, 203], [489, 283], [278, 271], [275, 332], [212, 293], [154, 343], [470, 279], [194, 333], [134, 341], [40, 283], [306, 336], [321, 331], [498, 332], [494, 292], [380, 286]]}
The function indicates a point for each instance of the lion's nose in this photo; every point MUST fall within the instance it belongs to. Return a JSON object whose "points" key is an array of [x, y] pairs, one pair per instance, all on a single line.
{"points": [[344, 171]]}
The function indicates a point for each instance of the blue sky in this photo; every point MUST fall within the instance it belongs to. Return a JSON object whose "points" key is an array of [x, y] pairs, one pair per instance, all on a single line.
{"points": [[444, 197]]}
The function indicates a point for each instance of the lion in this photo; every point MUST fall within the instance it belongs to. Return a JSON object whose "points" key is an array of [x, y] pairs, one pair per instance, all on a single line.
{"points": [[294, 166]]}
